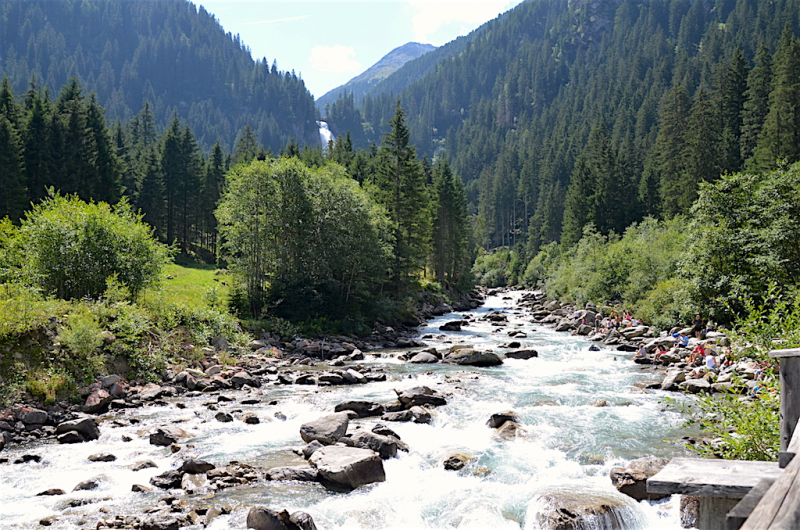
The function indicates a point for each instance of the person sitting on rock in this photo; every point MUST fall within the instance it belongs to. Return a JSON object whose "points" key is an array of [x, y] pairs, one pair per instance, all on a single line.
{"points": [[683, 340], [711, 363], [661, 351], [641, 353], [697, 353]]}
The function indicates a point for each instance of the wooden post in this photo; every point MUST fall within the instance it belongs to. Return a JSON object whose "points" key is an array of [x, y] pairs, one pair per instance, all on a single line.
{"points": [[790, 393]]}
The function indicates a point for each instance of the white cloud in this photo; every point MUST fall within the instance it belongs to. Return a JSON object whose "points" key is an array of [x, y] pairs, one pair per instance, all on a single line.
{"points": [[433, 14], [334, 59]]}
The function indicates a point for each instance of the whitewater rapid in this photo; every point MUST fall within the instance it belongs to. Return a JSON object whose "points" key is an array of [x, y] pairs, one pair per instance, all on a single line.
{"points": [[571, 444]]}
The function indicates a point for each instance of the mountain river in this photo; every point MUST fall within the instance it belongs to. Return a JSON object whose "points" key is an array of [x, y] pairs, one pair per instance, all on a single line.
{"points": [[570, 446]]}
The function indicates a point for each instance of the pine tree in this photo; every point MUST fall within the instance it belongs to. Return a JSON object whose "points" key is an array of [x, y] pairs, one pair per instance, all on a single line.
{"points": [[107, 166], [212, 190], [732, 105], [701, 157], [13, 194], [669, 148], [756, 105], [247, 147], [780, 137], [400, 183], [450, 224]]}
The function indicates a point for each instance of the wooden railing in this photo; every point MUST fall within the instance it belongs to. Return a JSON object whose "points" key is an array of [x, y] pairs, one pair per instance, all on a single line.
{"points": [[747, 495]]}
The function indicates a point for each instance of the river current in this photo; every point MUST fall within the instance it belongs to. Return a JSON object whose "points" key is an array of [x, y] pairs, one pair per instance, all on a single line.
{"points": [[570, 446]]}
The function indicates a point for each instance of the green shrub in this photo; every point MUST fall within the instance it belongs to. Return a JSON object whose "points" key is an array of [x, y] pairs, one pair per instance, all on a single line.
{"points": [[72, 247], [81, 336]]}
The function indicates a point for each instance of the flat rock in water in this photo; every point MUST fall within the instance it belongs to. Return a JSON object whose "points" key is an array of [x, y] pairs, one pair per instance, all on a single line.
{"points": [[420, 395], [50, 492], [522, 354], [631, 480], [403, 415], [87, 485], [349, 467], [473, 358], [364, 409], [695, 386], [566, 509], [453, 325], [327, 429], [143, 465], [300, 473]]}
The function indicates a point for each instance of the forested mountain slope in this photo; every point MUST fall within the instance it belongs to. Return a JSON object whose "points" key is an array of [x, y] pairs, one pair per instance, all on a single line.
{"points": [[365, 81], [167, 52], [558, 113]]}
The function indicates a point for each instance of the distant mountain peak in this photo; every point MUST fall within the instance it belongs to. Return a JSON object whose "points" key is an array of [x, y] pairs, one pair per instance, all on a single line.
{"points": [[388, 64]]}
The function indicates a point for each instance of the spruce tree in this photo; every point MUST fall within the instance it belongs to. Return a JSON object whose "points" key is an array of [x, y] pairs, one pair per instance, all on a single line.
{"points": [[756, 105], [450, 224], [780, 139], [669, 150], [400, 186], [13, 196], [732, 104]]}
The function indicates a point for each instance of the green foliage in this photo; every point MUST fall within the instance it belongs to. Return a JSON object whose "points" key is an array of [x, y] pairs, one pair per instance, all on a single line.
{"points": [[303, 242], [81, 336], [71, 247], [745, 234], [498, 268], [743, 429]]}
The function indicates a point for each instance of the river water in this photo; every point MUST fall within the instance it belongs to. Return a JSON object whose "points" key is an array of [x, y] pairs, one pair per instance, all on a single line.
{"points": [[571, 445]]}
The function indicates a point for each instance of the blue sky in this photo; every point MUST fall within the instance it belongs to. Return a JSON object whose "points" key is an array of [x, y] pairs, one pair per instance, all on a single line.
{"points": [[327, 42]]}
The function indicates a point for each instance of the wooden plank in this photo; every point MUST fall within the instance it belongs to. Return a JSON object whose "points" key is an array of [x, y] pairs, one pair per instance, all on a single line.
{"points": [[739, 514], [779, 509], [729, 479], [794, 447], [790, 398], [712, 512], [792, 352]]}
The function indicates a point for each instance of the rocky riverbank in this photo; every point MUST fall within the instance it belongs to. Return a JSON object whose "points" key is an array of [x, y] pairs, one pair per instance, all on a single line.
{"points": [[347, 446]]}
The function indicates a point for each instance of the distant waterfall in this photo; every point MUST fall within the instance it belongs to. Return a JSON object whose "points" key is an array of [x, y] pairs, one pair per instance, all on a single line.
{"points": [[325, 134]]}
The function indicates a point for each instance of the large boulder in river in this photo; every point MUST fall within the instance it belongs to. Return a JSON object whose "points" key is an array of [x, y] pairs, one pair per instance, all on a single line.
{"points": [[522, 354], [695, 386], [85, 428], [167, 435], [196, 467], [572, 509], [454, 325], [97, 401], [470, 357], [631, 480], [327, 429], [673, 379], [364, 409], [263, 518], [385, 446], [498, 419], [348, 467], [420, 395], [423, 357]]}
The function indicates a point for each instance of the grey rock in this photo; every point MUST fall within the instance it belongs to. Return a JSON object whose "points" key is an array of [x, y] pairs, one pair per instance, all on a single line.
{"points": [[403, 415], [302, 521], [87, 485], [196, 467], [299, 473], [522, 354], [147, 464], [160, 521], [309, 449], [695, 386], [167, 435], [498, 419], [168, 480], [631, 480], [263, 518], [223, 417], [243, 378], [420, 395], [364, 409], [673, 378], [327, 429], [456, 462], [348, 467], [85, 427], [470, 357], [420, 414], [423, 358], [97, 401], [102, 457], [385, 446]]}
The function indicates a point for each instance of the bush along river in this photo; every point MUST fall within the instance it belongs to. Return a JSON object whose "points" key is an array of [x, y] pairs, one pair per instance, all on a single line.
{"points": [[531, 443]]}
